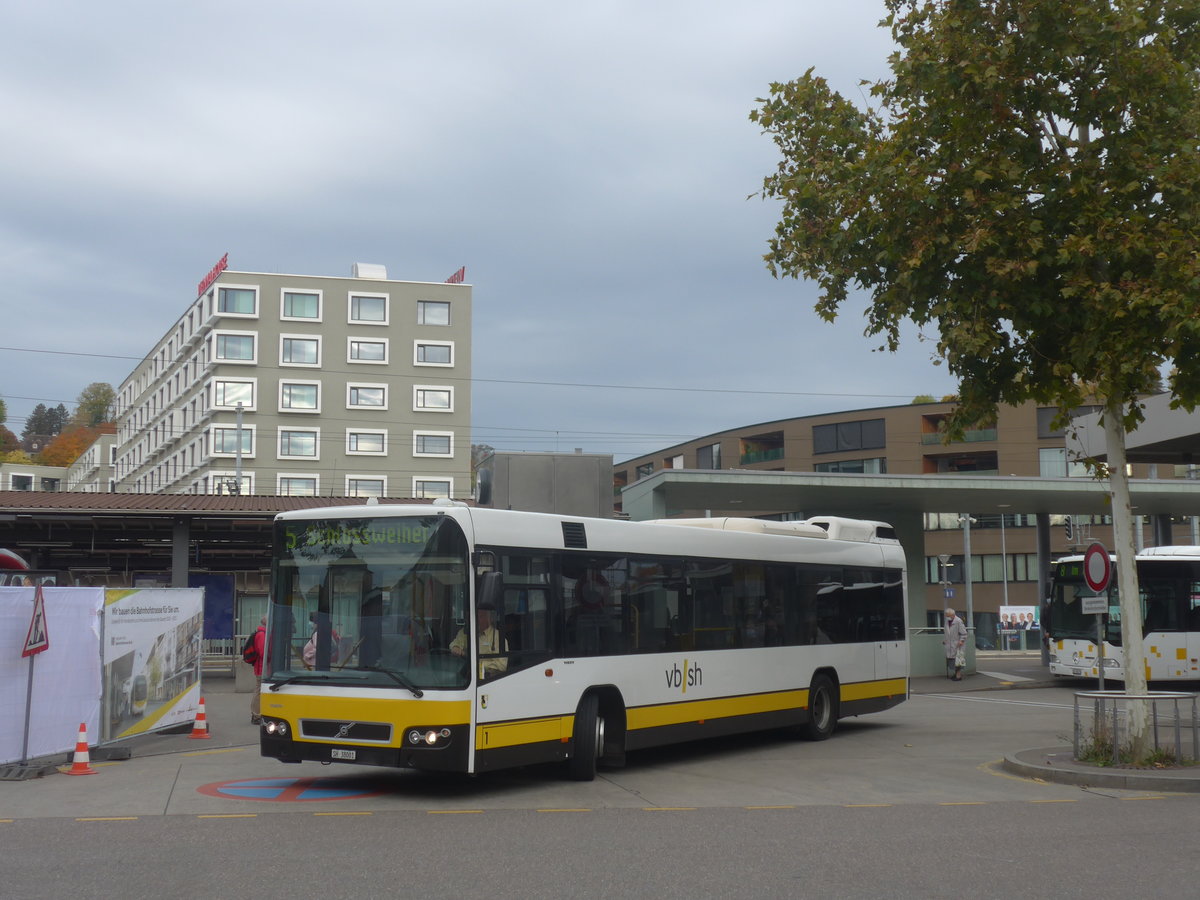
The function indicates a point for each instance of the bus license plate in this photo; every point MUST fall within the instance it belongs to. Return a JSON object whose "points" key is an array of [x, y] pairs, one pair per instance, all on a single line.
{"points": [[335, 753]]}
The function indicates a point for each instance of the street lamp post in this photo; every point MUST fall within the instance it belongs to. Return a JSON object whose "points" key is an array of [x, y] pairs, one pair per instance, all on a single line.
{"points": [[966, 521]]}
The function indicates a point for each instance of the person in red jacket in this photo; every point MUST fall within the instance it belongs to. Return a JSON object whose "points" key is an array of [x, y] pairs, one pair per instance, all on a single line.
{"points": [[260, 645]]}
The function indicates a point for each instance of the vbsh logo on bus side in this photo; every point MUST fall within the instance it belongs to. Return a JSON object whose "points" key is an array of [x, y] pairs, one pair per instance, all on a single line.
{"points": [[688, 676]]}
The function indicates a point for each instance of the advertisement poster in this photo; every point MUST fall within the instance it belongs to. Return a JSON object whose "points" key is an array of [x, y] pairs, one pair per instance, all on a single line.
{"points": [[1019, 618], [152, 657]]}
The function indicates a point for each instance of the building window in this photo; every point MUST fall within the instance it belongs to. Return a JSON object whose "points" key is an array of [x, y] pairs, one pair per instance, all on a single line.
{"points": [[299, 396], [1053, 463], [228, 394], [299, 442], [227, 483], [645, 470], [360, 350], [433, 312], [234, 346], [297, 485], [708, 457], [433, 443], [369, 396], [841, 436], [429, 488], [21, 482], [237, 301], [371, 309], [361, 486], [225, 441], [295, 350], [302, 305], [874, 466], [433, 353], [366, 443], [433, 398]]}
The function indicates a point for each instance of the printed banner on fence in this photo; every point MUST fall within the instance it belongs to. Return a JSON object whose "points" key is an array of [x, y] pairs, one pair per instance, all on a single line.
{"points": [[152, 658]]}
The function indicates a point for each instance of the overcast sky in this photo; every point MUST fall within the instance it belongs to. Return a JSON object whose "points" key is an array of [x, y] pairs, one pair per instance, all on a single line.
{"points": [[589, 164]]}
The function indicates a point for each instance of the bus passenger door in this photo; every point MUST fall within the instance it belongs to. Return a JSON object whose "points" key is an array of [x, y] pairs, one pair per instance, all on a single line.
{"points": [[887, 620]]}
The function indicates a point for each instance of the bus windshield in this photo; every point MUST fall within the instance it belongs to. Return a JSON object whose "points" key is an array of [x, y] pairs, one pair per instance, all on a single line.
{"points": [[368, 601], [1067, 619]]}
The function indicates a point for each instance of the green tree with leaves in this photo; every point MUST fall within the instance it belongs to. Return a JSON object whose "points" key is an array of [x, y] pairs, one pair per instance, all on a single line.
{"points": [[95, 404], [1027, 184]]}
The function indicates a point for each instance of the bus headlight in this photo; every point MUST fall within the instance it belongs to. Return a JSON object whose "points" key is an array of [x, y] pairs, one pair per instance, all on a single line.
{"points": [[1110, 663], [275, 727], [431, 737]]}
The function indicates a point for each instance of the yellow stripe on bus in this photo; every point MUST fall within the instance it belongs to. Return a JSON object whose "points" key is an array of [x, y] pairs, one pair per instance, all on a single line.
{"points": [[531, 731], [867, 690], [723, 707]]}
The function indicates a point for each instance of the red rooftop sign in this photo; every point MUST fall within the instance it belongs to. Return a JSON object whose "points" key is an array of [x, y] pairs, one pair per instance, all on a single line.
{"points": [[207, 280]]}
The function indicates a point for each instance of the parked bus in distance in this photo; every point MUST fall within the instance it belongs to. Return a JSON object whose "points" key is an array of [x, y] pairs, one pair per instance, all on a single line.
{"points": [[1169, 584], [446, 637]]}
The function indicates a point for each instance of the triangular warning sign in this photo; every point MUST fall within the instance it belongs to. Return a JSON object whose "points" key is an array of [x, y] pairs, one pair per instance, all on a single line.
{"points": [[38, 638]]}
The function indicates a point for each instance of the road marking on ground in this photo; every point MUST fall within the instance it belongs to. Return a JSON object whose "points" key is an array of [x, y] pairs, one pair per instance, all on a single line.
{"points": [[291, 790], [210, 752], [669, 808], [107, 819], [966, 699], [361, 813], [770, 807], [990, 768], [228, 816], [1004, 676], [863, 805], [963, 803]]}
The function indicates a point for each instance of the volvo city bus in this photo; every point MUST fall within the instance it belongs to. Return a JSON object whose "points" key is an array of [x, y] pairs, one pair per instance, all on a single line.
{"points": [[452, 638], [1169, 585]]}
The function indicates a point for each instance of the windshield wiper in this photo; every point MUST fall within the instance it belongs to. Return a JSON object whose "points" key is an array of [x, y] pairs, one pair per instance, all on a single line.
{"points": [[307, 677], [399, 677]]}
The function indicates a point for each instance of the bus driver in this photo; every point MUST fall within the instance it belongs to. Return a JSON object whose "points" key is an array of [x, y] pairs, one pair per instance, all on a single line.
{"points": [[490, 642]]}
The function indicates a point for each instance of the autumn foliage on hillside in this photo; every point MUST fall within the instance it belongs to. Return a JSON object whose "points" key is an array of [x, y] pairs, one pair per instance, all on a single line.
{"points": [[71, 443]]}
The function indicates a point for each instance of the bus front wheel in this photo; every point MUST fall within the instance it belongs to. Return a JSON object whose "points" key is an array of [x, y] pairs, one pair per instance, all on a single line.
{"points": [[588, 739], [822, 709]]}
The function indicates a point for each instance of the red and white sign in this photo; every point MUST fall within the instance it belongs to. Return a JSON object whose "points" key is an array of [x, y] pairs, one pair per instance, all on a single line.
{"points": [[458, 277], [38, 638], [1097, 567], [207, 280]]}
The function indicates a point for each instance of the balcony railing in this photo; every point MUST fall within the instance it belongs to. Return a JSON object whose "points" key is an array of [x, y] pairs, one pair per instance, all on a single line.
{"points": [[978, 434], [759, 456]]}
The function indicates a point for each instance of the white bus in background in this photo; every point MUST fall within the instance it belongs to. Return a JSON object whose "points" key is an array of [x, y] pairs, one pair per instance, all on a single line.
{"points": [[610, 636], [1169, 584]]}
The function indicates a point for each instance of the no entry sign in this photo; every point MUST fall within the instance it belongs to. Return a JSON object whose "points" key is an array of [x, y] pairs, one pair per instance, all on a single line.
{"points": [[1097, 567]]}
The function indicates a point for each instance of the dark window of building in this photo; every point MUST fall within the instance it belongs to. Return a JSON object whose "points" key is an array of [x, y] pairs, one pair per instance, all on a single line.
{"points": [[868, 434]]}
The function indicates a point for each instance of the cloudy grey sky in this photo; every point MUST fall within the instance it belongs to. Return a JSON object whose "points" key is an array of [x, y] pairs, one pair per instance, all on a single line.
{"points": [[589, 164]]}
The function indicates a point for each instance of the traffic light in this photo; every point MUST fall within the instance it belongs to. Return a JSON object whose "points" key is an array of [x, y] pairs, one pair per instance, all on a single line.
{"points": [[1070, 528]]}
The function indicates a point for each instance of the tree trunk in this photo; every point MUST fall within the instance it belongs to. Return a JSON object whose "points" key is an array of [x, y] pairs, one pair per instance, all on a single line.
{"points": [[1127, 584]]}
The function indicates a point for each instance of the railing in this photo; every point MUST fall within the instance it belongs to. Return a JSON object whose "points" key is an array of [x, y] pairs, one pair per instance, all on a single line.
{"points": [[758, 456], [1172, 720], [977, 434]]}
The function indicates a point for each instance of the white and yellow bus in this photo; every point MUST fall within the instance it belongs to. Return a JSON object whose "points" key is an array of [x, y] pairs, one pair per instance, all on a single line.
{"points": [[1169, 585], [592, 637]]}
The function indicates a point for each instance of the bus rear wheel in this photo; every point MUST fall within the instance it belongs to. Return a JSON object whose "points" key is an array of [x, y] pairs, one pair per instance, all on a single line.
{"points": [[587, 741], [822, 709]]}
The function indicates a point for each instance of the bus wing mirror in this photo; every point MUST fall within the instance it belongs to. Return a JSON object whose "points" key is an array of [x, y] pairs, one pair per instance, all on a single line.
{"points": [[491, 590]]}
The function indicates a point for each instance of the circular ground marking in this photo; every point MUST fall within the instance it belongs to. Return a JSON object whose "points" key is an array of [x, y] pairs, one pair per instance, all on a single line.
{"points": [[292, 790]]}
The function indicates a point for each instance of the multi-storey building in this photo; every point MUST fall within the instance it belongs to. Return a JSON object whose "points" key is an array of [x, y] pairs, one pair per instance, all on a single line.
{"points": [[304, 385], [92, 473], [909, 440]]}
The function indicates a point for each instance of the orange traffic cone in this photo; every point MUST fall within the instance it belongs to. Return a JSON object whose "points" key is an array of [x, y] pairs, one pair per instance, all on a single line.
{"points": [[81, 764], [200, 727]]}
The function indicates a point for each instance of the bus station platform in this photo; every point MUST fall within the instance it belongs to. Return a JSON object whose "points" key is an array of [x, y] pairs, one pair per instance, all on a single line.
{"points": [[163, 773]]}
